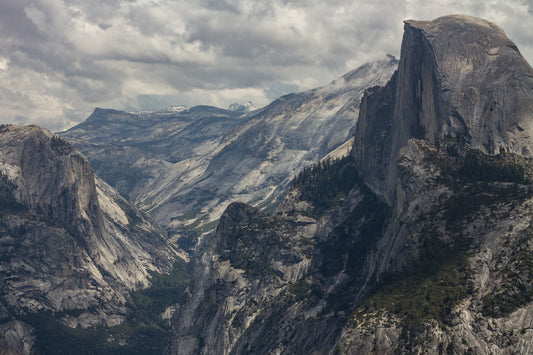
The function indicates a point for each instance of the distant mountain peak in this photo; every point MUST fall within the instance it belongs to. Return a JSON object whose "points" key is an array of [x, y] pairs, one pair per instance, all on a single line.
{"points": [[237, 107], [177, 108], [169, 109]]}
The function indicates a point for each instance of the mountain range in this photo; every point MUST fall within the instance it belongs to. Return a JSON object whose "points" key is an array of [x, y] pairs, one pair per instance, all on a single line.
{"points": [[184, 167], [386, 212], [83, 266]]}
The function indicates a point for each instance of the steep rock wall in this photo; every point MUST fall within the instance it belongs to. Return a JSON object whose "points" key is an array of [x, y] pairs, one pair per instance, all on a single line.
{"points": [[459, 78], [68, 240]]}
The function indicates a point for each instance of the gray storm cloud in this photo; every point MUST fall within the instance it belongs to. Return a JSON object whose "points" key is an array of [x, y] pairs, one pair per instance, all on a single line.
{"points": [[61, 58]]}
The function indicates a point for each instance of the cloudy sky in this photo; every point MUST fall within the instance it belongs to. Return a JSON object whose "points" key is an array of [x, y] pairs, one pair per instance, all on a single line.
{"points": [[59, 59]]}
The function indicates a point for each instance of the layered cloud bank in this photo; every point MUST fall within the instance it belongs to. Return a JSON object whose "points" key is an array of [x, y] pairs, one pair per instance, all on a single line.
{"points": [[61, 58]]}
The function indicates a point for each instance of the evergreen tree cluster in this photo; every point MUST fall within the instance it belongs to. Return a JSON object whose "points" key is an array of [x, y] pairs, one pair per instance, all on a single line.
{"points": [[327, 182], [8, 202], [480, 167], [472, 165]]}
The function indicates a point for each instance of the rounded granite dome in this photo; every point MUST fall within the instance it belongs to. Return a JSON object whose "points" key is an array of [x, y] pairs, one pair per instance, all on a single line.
{"points": [[465, 37], [482, 79], [459, 79]]}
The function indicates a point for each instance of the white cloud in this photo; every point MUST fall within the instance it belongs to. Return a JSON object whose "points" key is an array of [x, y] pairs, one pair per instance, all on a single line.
{"points": [[61, 58], [4, 63]]}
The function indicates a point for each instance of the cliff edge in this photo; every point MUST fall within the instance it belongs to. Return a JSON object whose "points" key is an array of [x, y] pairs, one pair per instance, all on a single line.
{"points": [[459, 79]]}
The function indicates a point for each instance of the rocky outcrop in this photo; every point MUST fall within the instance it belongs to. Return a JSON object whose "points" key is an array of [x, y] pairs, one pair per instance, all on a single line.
{"points": [[461, 87], [68, 241], [459, 78], [277, 283], [248, 289], [455, 284], [16, 338]]}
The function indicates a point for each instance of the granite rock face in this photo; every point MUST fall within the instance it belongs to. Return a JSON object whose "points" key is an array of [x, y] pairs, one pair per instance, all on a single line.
{"points": [[459, 78], [449, 272], [68, 240], [245, 266]]}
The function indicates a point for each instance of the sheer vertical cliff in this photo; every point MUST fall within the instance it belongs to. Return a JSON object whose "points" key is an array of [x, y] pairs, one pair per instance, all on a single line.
{"points": [[459, 78]]}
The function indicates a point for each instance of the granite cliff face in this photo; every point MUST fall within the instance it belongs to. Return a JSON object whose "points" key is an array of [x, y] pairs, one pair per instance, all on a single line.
{"points": [[252, 260], [185, 167], [459, 78], [419, 242], [68, 240]]}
